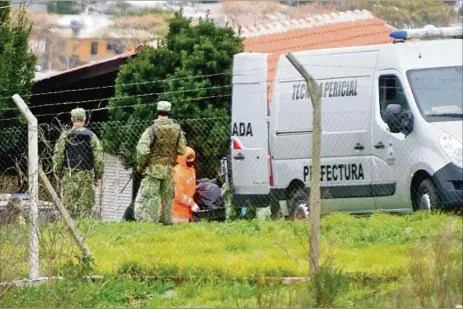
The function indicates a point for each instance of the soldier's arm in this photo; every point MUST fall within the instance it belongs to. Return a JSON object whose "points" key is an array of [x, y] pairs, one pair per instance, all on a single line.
{"points": [[143, 148], [58, 156], [98, 163], [181, 144]]}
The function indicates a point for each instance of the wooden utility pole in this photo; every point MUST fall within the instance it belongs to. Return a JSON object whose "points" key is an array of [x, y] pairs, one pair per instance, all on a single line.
{"points": [[315, 203], [64, 214]]}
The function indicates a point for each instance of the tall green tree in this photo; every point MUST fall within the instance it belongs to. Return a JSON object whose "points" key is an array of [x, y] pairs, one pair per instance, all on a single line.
{"points": [[191, 67], [17, 62], [17, 65]]}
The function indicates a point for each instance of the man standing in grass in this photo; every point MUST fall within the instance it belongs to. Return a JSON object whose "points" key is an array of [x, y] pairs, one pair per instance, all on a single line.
{"points": [[157, 151], [77, 164]]}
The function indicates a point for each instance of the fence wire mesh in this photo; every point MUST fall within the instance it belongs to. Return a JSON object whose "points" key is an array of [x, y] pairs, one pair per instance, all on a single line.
{"points": [[360, 170], [208, 137]]}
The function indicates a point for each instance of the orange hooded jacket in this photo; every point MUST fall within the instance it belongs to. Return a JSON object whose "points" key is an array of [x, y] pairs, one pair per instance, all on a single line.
{"points": [[185, 188]]}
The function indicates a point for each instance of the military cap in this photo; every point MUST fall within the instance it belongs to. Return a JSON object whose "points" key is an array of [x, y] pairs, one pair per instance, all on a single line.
{"points": [[164, 106], [78, 114]]}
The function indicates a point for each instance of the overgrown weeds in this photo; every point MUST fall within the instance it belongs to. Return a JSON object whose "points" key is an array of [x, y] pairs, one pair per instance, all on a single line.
{"points": [[376, 261], [14, 251], [436, 269]]}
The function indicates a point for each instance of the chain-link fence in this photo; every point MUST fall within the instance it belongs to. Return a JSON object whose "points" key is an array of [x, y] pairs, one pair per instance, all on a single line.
{"points": [[208, 137], [370, 162], [358, 174]]}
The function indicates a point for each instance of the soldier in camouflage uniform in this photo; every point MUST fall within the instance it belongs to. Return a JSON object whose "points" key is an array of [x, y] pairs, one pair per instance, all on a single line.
{"points": [[157, 152], [77, 164]]}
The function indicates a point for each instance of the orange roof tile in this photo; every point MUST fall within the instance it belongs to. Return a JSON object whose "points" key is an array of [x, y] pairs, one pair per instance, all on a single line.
{"points": [[343, 34]]}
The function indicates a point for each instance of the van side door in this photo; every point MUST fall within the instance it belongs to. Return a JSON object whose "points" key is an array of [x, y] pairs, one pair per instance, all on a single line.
{"points": [[346, 80]]}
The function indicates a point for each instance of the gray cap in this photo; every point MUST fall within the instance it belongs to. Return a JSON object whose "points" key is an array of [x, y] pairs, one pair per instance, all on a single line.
{"points": [[164, 106], [78, 114]]}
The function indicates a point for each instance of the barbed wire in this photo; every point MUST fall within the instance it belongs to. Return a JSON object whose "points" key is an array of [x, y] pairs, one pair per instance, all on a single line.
{"points": [[165, 80], [112, 98], [121, 98], [177, 91], [204, 88], [126, 106]]}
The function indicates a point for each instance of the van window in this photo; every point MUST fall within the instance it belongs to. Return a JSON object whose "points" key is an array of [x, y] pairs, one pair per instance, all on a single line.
{"points": [[438, 92], [391, 92]]}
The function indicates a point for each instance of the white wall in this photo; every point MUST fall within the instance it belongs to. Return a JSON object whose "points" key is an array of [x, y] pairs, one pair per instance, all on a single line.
{"points": [[114, 203]]}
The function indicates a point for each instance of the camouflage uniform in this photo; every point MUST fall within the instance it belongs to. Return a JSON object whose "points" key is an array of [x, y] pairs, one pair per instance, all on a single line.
{"points": [[78, 161], [157, 152]]}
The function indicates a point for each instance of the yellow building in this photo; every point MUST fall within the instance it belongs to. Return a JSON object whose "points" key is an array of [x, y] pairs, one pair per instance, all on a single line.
{"points": [[61, 42], [86, 50], [86, 46]]}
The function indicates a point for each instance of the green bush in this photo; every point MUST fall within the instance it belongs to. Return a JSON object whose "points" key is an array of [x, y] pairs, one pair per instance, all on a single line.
{"points": [[191, 67]]}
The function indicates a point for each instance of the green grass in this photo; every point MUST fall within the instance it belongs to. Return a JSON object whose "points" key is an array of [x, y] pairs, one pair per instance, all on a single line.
{"points": [[376, 244], [125, 293], [373, 261], [131, 293]]}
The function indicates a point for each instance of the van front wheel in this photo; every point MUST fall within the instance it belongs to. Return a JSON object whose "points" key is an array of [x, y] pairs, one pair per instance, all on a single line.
{"points": [[299, 205], [427, 197]]}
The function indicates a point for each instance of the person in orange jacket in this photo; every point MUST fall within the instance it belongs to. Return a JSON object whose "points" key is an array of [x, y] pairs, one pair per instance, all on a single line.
{"points": [[183, 204]]}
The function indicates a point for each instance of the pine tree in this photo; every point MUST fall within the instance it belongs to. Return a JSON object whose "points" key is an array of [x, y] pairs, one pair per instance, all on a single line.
{"points": [[16, 76], [17, 62]]}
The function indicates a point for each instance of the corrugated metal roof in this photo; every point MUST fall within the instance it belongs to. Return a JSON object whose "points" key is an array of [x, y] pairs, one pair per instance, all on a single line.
{"points": [[117, 57]]}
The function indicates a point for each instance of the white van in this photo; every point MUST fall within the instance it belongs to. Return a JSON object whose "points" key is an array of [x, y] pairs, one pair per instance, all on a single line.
{"points": [[391, 127]]}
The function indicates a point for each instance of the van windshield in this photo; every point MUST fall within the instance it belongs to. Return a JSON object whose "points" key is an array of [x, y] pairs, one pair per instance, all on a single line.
{"points": [[438, 92]]}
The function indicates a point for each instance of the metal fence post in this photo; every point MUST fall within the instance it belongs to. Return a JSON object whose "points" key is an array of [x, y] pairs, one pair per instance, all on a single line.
{"points": [[315, 203], [33, 168]]}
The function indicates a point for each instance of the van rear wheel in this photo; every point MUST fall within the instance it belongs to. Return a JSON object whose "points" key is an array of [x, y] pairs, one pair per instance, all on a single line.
{"points": [[299, 205], [427, 197]]}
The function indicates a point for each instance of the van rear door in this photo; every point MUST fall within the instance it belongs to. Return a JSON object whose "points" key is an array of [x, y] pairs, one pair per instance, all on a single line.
{"points": [[249, 149]]}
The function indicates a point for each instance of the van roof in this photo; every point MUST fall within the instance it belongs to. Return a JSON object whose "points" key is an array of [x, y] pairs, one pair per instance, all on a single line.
{"points": [[405, 55]]}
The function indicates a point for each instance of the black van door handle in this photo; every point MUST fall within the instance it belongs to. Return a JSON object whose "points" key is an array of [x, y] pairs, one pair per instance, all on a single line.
{"points": [[239, 157], [380, 145], [359, 146]]}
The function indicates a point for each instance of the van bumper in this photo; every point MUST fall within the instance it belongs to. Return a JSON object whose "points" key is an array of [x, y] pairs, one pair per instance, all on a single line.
{"points": [[449, 181]]}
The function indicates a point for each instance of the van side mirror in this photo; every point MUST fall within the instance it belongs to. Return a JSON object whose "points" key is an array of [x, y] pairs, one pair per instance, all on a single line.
{"points": [[399, 121]]}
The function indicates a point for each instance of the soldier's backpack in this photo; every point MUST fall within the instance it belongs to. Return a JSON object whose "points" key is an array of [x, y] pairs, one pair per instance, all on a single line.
{"points": [[154, 139]]}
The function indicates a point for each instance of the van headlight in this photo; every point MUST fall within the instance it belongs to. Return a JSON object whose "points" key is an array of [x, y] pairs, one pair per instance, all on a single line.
{"points": [[453, 148]]}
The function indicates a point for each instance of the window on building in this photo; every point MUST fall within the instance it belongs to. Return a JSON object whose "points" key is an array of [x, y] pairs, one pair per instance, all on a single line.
{"points": [[111, 46], [94, 50]]}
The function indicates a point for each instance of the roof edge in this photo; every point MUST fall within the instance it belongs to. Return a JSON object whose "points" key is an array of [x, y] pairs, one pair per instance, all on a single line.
{"points": [[304, 23], [122, 56]]}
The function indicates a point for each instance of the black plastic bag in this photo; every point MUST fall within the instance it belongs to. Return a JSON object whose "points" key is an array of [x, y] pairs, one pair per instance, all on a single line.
{"points": [[208, 195], [129, 214]]}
